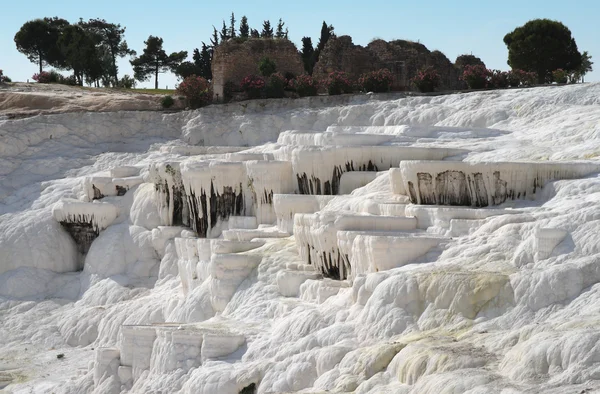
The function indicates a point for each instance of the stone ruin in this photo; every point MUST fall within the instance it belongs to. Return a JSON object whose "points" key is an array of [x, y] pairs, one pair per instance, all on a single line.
{"points": [[234, 60], [402, 58]]}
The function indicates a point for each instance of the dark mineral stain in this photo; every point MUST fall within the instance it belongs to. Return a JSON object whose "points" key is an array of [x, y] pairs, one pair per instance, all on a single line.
{"points": [[452, 189], [500, 191], [412, 194], [82, 231], [479, 190], [97, 193], [313, 184], [426, 190], [206, 210], [121, 190]]}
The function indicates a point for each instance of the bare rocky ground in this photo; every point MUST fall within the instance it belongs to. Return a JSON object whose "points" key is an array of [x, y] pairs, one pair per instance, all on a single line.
{"points": [[29, 99]]}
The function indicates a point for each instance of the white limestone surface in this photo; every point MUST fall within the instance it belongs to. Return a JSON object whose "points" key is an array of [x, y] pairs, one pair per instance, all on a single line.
{"points": [[508, 305]]}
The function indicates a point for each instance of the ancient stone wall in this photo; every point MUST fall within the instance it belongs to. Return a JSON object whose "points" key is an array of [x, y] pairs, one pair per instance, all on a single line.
{"points": [[402, 58], [234, 60]]}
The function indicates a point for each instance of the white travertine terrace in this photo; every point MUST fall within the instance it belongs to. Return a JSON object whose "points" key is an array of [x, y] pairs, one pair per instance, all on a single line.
{"points": [[483, 184], [465, 260]]}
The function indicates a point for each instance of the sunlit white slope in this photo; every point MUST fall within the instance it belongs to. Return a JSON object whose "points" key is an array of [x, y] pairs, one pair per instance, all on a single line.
{"points": [[490, 301]]}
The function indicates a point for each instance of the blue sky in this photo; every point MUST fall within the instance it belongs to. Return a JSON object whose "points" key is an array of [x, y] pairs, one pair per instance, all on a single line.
{"points": [[453, 27]]}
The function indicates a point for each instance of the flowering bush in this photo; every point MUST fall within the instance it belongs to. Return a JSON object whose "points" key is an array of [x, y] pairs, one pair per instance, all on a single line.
{"points": [[426, 80], [476, 77], [253, 85], [376, 81], [196, 90], [337, 83], [499, 79], [276, 86], [305, 85], [47, 77], [560, 76]]}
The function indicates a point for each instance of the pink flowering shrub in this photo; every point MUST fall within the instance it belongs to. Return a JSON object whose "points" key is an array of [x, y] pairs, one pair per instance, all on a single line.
{"points": [[426, 80], [305, 85], [253, 85], [476, 77], [498, 79], [196, 90], [560, 76], [46, 77], [338, 82], [376, 81]]}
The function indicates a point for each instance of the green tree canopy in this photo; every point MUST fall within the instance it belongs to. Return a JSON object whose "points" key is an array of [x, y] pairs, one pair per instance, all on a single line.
{"points": [[308, 55], [38, 40], [244, 27], [79, 52], [267, 31], [280, 33], [468, 60], [542, 45], [155, 60], [586, 65], [112, 36]]}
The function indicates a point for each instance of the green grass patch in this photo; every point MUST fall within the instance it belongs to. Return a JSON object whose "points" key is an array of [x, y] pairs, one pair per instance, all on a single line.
{"points": [[152, 91]]}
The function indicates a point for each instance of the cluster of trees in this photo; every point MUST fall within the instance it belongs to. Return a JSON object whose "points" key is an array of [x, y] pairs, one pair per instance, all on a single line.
{"points": [[88, 48], [309, 54], [202, 58]]}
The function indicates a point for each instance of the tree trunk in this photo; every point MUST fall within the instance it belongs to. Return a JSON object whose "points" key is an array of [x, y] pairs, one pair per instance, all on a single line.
{"points": [[156, 77], [41, 61]]}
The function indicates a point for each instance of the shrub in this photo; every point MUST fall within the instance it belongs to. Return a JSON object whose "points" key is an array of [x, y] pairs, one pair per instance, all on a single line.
{"points": [[276, 86], [338, 82], [127, 82], [70, 80], [514, 78], [426, 80], [476, 77], [267, 67], [560, 76], [196, 90], [499, 79], [253, 85], [379, 81], [47, 77], [528, 78], [4, 78], [167, 102], [305, 85], [229, 89]]}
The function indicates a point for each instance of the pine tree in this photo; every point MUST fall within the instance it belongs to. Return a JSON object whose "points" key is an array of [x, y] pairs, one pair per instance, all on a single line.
{"points": [[154, 60], [308, 55], [214, 41], [205, 62], [326, 34], [254, 33], [267, 31], [224, 33], [280, 33], [244, 28], [232, 26]]}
